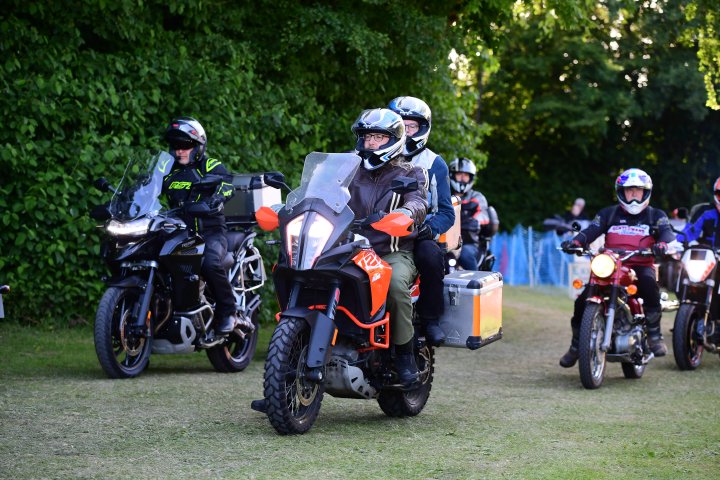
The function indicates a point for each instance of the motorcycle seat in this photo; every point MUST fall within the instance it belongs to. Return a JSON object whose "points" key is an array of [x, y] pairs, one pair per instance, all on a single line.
{"points": [[235, 239]]}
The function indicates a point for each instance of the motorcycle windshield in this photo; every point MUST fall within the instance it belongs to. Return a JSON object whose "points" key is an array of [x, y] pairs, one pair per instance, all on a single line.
{"points": [[326, 176], [141, 186]]}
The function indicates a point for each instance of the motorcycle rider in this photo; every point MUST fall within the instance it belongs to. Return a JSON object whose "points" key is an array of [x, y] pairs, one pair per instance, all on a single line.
{"points": [[707, 227], [628, 226], [187, 141], [429, 256], [477, 219], [380, 136]]}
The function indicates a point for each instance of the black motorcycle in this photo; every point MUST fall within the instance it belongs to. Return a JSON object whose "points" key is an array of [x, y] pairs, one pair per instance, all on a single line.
{"points": [[156, 300]]}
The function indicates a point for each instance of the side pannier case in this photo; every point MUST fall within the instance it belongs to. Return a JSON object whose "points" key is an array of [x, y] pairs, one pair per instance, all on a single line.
{"points": [[473, 309], [251, 193]]}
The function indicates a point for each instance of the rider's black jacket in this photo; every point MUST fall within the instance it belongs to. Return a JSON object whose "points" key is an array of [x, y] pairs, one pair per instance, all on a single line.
{"points": [[624, 231], [176, 185]]}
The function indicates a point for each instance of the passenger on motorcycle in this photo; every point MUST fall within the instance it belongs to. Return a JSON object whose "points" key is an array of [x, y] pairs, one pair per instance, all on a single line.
{"points": [[187, 141], [380, 140], [429, 256], [706, 228], [628, 226], [478, 221]]}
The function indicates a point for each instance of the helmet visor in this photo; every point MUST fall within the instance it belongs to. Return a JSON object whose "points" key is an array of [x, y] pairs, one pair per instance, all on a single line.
{"points": [[181, 144]]}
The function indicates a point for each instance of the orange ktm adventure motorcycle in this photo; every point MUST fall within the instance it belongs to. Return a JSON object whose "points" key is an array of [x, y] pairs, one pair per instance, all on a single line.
{"points": [[333, 333]]}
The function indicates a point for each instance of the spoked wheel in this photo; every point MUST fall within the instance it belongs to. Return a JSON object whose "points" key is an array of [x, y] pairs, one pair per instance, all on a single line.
{"points": [[237, 352], [293, 402], [120, 356], [591, 359], [398, 403], [687, 350]]}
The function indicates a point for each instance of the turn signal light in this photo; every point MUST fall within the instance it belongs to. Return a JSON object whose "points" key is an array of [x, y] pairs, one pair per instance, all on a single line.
{"points": [[632, 289], [577, 284]]}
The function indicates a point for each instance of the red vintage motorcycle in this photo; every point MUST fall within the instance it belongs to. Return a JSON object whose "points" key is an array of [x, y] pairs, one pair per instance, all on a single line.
{"points": [[613, 323], [333, 333]]}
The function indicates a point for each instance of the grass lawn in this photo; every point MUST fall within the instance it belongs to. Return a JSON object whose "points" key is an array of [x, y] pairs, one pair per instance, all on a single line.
{"points": [[505, 411]]}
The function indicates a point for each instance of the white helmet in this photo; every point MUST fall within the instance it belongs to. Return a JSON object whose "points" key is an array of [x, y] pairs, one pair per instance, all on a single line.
{"points": [[411, 108], [383, 121], [633, 177]]}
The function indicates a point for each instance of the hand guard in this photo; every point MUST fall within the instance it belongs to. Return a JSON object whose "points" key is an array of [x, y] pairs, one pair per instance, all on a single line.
{"points": [[659, 249]]}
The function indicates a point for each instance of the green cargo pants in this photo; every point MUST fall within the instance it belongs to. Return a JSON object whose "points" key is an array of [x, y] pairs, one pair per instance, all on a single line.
{"points": [[399, 303]]}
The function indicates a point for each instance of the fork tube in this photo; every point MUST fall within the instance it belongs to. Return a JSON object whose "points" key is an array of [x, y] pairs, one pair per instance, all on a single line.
{"points": [[610, 319]]}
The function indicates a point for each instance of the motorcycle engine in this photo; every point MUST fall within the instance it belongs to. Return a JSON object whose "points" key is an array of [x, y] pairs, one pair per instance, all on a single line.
{"points": [[629, 342]]}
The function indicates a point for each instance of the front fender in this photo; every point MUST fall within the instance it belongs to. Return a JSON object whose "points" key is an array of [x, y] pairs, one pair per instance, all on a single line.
{"points": [[594, 299], [322, 331], [127, 282]]}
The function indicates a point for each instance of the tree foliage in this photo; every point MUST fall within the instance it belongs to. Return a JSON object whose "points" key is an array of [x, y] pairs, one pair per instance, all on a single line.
{"points": [[85, 83], [573, 107]]}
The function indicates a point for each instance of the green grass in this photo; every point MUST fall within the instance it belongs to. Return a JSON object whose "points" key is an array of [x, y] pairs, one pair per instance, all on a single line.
{"points": [[505, 411]]}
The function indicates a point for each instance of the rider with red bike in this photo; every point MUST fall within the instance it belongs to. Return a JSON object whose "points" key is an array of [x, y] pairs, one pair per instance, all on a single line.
{"points": [[630, 225]]}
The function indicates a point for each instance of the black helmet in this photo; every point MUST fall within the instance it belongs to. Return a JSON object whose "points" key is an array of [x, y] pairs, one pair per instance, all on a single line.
{"points": [[462, 165], [411, 108], [383, 121], [186, 132]]}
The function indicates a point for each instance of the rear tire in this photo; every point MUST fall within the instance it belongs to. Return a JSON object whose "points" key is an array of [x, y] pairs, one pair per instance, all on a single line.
{"points": [[591, 361], [120, 357], [397, 403], [688, 352], [237, 352], [293, 403]]}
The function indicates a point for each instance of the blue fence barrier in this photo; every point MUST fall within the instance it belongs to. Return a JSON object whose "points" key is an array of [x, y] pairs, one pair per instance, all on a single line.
{"points": [[527, 257]]}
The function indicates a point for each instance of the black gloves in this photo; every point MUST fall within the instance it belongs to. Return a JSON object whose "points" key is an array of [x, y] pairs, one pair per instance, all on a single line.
{"points": [[424, 232], [659, 249], [215, 201], [570, 246]]}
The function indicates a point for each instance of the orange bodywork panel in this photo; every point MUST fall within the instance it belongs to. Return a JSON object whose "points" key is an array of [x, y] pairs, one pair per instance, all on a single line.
{"points": [[379, 273], [394, 224], [267, 219]]}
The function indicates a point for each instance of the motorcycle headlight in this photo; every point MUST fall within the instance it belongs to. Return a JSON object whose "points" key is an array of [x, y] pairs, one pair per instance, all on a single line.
{"points": [[133, 228], [602, 266], [303, 251]]}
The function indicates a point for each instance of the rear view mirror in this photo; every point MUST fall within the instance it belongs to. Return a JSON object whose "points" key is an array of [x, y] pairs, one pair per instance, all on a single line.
{"points": [[103, 185]]}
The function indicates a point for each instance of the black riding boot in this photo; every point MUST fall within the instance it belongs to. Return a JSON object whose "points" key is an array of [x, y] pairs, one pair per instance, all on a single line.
{"points": [[404, 361], [571, 356], [655, 338]]}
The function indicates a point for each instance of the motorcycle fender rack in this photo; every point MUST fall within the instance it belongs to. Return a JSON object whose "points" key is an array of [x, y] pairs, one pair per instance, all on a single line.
{"points": [[473, 309]]}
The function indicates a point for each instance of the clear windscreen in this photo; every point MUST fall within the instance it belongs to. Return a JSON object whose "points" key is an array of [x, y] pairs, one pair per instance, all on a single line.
{"points": [[326, 176], [139, 191]]}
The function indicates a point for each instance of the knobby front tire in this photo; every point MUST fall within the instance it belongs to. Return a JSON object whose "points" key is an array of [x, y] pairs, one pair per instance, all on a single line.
{"points": [[293, 402]]}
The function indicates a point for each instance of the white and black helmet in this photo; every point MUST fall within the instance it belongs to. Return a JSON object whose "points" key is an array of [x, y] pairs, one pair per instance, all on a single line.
{"points": [[411, 108], [383, 121], [633, 177], [462, 165], [184, 133]]}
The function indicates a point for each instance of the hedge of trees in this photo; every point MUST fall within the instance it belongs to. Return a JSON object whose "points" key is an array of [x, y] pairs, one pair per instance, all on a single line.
{"points": [[85, 83]]}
